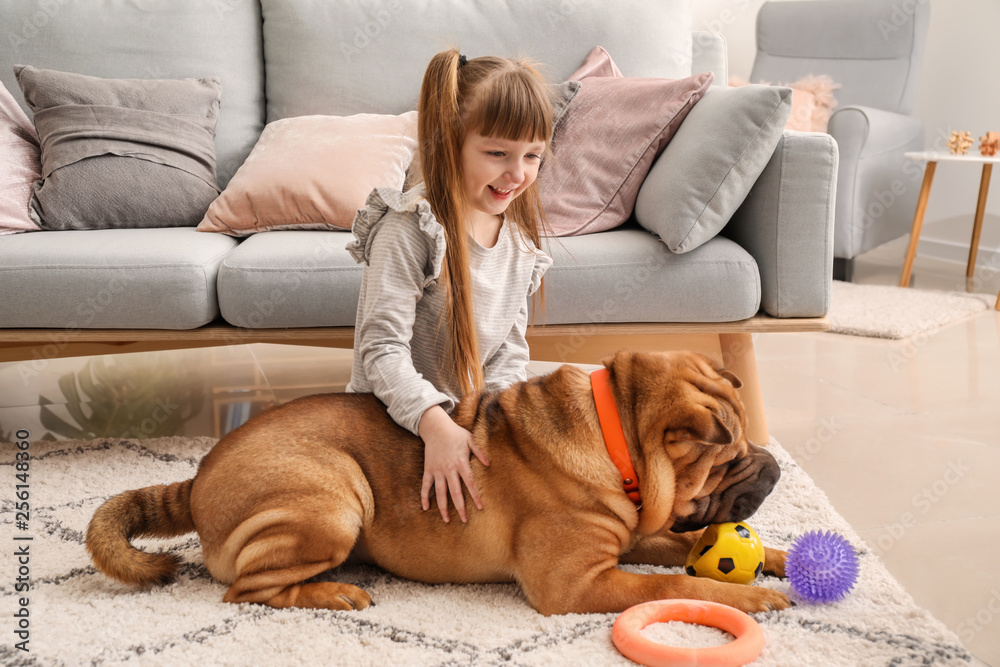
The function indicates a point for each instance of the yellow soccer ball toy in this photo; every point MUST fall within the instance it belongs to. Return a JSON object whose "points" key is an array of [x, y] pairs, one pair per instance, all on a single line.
{"points": [[729, 552]]}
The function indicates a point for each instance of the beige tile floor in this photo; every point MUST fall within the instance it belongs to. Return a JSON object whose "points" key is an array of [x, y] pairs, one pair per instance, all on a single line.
{"points": [[904, 437]]}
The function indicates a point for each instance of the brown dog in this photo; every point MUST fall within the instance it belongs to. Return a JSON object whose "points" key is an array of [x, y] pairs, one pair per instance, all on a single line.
{"points": [[301, 487]]}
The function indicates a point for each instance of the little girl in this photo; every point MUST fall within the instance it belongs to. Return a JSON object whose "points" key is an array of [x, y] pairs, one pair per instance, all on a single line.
{"points": [[450, 264]]}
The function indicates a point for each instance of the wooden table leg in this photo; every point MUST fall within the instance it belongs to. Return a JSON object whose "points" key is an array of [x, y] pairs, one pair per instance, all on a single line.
{"points": [[977, 227], [738, 356], [918, 222]]}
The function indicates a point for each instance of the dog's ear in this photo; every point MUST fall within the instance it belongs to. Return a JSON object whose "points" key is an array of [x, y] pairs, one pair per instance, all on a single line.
{"points": [[709, 367], [622, 359], [702, 424], [731, 376]]}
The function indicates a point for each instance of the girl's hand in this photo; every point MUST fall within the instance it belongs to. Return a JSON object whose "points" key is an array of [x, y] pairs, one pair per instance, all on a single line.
{"points": [[446, 462]]}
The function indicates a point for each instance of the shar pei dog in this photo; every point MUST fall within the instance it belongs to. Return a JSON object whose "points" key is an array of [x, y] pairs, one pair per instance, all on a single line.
{"points": [[302, 487]]}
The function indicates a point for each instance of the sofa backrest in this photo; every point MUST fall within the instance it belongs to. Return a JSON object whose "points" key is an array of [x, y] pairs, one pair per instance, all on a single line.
{"points": [[337, 57], [151, 39], [350, 57]]}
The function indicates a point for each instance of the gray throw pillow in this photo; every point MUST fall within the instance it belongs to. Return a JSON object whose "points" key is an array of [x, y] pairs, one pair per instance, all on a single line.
{"points": [[121, 152], [562, 94], [708, 168]]}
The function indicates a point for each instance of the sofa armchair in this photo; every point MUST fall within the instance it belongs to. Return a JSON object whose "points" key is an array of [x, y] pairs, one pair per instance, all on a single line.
{"points": [[874, 50], [101, 291]]}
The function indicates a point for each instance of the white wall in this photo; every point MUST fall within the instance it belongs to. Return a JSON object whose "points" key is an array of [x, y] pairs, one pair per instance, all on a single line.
{"points": [[959, 89]]}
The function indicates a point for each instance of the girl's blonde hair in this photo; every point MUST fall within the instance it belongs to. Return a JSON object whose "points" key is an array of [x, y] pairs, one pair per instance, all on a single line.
{"points": [[492, 97]]}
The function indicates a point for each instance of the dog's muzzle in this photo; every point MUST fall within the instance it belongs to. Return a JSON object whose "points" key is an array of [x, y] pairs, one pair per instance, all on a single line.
{"points": [[754, 477]]}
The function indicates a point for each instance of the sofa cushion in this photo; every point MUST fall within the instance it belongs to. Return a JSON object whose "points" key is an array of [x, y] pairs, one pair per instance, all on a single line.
{"points": [[628, 275], [19, 166], [708, 168], [290, 279], [611, 133], [121, 152], [314, 172], [308, 279], [111, 278], [345, 58], [152, 39]]}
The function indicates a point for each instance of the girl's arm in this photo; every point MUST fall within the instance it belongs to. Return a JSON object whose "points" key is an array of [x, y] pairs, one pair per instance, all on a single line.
{"points": [[397, 274], [394, 282]]}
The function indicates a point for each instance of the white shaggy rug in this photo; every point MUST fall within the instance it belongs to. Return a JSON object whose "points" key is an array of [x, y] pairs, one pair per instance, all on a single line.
{"points": [[885, 311], [79, 617]]}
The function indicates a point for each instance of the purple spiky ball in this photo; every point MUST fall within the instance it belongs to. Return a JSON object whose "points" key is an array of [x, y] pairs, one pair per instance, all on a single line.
{"points": [[821, 566]]}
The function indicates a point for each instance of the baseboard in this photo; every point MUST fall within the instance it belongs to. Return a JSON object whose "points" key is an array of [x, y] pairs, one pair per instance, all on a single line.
{"points": [[957, 252]]}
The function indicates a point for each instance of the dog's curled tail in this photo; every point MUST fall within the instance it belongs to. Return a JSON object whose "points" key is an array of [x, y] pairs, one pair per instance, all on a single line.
{"points": [[155, 511]]}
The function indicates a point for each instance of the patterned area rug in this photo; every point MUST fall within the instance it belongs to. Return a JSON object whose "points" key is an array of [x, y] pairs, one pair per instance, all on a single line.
{"points": [[885, 311], [77, 616]]}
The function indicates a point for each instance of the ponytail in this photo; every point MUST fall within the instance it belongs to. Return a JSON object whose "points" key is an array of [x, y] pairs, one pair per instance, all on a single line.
{"points": [[440, 137]]}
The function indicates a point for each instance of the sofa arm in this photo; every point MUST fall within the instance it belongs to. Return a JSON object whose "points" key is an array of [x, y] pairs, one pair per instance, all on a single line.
{"points": [[708, 54], [786, 223], [877, 187]]}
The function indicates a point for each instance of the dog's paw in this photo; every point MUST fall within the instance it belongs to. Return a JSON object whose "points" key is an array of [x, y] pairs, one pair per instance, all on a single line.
{"points": [[764, 599], [353, 598], [333, 595]]}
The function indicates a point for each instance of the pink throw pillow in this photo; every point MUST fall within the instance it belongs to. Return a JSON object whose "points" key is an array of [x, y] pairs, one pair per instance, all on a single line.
{"points": [[812, 101], [800, 118], [314, 172], [19, 165], [604, 146]]}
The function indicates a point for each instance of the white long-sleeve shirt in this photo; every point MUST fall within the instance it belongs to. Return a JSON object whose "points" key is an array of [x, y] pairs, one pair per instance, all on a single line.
{"points": [[401, 342]]}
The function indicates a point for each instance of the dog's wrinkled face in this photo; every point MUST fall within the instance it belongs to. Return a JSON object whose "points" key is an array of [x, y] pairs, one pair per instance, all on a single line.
{"points": [[700, 424], [732, 491]]}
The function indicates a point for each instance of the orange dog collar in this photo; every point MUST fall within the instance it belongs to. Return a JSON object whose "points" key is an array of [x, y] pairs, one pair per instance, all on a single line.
{"points": [[614, 434]]}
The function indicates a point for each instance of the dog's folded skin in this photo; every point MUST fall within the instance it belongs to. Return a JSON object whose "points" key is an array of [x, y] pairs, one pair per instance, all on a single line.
{"points": [[300, 488]]}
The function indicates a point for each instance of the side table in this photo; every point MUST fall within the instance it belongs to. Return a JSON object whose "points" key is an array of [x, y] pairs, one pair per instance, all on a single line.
{"points": [[932, 158]]}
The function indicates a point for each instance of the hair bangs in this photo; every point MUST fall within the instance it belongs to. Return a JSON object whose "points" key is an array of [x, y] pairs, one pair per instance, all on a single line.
{"points": [[512, 105]]}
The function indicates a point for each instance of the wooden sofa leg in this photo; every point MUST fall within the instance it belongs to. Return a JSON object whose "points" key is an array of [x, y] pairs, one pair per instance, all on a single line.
{"points": [[738, 356]]}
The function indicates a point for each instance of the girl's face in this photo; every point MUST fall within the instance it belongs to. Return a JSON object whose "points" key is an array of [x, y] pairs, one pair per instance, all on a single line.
{"points": [[496, 171]]}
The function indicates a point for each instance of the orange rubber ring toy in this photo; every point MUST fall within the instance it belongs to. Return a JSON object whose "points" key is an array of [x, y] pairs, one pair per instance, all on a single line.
{"points": [[745, 648]]}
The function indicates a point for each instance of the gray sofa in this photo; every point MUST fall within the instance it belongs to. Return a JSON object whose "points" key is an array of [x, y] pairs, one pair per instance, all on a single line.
{"points": [[116, 290]]}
